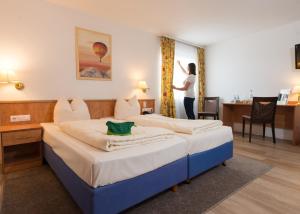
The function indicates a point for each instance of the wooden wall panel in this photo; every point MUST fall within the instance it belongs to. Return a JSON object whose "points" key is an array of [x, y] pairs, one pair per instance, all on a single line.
{"points": [[42, 110]]}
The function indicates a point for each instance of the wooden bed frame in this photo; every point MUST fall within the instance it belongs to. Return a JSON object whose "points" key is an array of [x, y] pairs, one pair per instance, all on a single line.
{"points": [[41, 111]]}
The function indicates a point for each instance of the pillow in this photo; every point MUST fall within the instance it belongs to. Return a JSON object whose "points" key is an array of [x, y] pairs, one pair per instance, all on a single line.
{"points": [[121, 109], [64, 111], [80, 109], [134, 102], [124, 110]]}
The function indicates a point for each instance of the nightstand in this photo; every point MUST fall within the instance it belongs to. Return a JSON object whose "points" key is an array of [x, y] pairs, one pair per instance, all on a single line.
{"points": [[21, 147], [147, 111]]}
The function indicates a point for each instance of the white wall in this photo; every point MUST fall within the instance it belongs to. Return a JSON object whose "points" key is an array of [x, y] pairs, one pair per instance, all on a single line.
{"points": [[40, 37], [264, 62]]}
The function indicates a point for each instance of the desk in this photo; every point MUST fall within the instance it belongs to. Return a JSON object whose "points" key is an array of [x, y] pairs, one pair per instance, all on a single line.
{"points": [[287, 116]]}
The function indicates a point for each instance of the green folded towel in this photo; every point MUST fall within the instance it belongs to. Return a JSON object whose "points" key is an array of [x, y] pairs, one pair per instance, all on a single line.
{"points": [[120, 129]]}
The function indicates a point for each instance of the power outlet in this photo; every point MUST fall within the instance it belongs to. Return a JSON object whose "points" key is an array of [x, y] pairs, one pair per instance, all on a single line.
{"points": [[20, 118]]}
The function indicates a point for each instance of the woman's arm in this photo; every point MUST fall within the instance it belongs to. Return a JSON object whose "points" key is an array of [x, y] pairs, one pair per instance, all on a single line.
{"points": [[184, 88], [182, 68]]}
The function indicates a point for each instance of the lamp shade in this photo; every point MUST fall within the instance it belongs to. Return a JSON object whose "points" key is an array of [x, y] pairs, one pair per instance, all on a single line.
{"points": [[143, 85], [8, 76], [296, 89], [4, 76]]}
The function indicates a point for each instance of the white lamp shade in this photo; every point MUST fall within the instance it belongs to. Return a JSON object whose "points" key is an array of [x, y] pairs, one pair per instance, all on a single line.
{"points": [[4, 77], [143, 85], [8, 76], [296, 89]]}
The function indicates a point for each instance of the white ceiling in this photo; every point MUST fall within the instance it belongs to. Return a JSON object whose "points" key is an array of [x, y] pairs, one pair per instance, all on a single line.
{"points": [[200, 22]]}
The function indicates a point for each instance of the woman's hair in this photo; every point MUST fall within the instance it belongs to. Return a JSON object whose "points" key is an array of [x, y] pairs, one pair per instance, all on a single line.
{"points": [[192, 68]]}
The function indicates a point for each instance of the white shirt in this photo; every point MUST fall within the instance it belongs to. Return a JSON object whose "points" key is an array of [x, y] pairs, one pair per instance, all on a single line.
{"points": [[190, 92]]}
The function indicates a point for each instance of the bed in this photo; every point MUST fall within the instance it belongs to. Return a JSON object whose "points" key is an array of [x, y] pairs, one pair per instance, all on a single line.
{"points": [[209, 144], [110, 182], [208, 149]]}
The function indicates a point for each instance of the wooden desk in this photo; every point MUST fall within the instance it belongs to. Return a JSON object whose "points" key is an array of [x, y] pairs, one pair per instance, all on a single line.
{"points": [[287, 116]]}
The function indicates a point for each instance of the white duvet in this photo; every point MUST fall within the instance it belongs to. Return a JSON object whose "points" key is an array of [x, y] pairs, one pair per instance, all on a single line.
{"points": [[93, 132], [176, 125]]}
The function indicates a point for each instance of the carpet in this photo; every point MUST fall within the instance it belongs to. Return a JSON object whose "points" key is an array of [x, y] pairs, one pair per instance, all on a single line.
{"points": [[38, 191]]}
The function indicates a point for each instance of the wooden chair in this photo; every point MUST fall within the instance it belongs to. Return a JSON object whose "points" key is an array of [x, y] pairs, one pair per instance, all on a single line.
{"points": [[263, 112], [211, 108]]}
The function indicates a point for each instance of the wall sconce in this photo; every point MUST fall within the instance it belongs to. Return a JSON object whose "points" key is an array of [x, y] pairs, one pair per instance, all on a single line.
{"points": [[143, 86], [296, 90], [7, 77]]}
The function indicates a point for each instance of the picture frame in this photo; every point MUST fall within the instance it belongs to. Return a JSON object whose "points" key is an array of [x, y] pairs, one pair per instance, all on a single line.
{"points": [[297, 56], [283, 96], [93, 55]]}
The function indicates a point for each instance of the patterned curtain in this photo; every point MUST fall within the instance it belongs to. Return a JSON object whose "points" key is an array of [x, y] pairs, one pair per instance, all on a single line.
{"points": [[167, 107], [201, 80]]}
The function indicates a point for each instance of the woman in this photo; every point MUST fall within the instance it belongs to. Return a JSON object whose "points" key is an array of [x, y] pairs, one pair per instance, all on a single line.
{"points": [[188, 88]]}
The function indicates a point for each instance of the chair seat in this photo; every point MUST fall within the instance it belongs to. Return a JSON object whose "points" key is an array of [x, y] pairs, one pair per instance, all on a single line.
{"points": [[205, 114], [247, 117]]}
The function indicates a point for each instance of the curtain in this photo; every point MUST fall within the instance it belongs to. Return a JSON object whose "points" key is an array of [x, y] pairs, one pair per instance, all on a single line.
{"points": [[201, 77], [167, 107]]}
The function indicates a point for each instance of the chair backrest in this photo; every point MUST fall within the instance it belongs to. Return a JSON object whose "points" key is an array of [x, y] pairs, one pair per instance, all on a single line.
{"points": [[263, 109], [211, 104]]}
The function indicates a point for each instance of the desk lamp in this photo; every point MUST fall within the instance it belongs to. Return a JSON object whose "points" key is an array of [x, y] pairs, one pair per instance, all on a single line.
{"points": [[296, 90]]}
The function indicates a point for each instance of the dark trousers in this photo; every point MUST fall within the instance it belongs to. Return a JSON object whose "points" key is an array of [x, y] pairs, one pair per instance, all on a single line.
{"points": [[189, 107]]}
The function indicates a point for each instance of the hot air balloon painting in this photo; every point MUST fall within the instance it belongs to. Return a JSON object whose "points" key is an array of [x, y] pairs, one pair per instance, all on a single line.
{"points": [[93, 55]]}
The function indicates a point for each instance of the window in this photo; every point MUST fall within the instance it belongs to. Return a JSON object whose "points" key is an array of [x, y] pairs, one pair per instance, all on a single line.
{"points": [[185, 54]]}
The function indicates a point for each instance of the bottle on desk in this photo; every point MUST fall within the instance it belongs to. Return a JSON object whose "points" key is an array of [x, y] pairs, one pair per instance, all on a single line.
{"points": [[236, 98], [251, 95]]}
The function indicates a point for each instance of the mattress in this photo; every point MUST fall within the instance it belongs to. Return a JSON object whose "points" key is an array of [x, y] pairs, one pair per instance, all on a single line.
{"points": [[99, 168], [208, 140]]}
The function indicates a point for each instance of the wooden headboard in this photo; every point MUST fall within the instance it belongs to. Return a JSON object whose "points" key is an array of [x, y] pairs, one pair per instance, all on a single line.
{"points": [[41, 111]]}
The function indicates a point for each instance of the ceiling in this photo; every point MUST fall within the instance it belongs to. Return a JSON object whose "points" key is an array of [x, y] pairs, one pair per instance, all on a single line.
{"points": [[200, 22]]}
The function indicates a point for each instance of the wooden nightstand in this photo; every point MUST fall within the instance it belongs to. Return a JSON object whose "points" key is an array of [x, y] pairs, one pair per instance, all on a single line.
{"points": [[21, 147]]}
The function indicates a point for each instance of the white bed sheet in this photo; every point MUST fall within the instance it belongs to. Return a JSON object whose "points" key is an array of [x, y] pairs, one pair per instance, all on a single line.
{"points": [[208, 140], [203, 141], [100, 168]]}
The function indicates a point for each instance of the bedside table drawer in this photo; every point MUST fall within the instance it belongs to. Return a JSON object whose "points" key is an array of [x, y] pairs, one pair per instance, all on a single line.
{"points": [[21, 137]]}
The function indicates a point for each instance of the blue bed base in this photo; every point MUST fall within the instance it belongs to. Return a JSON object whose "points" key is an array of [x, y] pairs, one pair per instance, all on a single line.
{"points": [[203, 161], [119, 196]]}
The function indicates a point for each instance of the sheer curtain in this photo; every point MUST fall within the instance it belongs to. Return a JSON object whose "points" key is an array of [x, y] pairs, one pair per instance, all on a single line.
{"points": [[186, 54]]}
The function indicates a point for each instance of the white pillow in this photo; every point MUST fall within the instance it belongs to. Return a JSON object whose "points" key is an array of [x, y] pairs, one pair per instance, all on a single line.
{"points": [[80, 109], [134, 102], [64, 111], [124, 110], [135, 105]]}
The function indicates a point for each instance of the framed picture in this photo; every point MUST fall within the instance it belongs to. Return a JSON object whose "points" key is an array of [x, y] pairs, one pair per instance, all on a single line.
{"points": [[93, 55], [283, 96], [297, 56]]}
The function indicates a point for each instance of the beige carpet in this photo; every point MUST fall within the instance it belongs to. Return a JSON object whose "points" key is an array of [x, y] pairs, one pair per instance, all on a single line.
{"points": [[39, 191]]}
